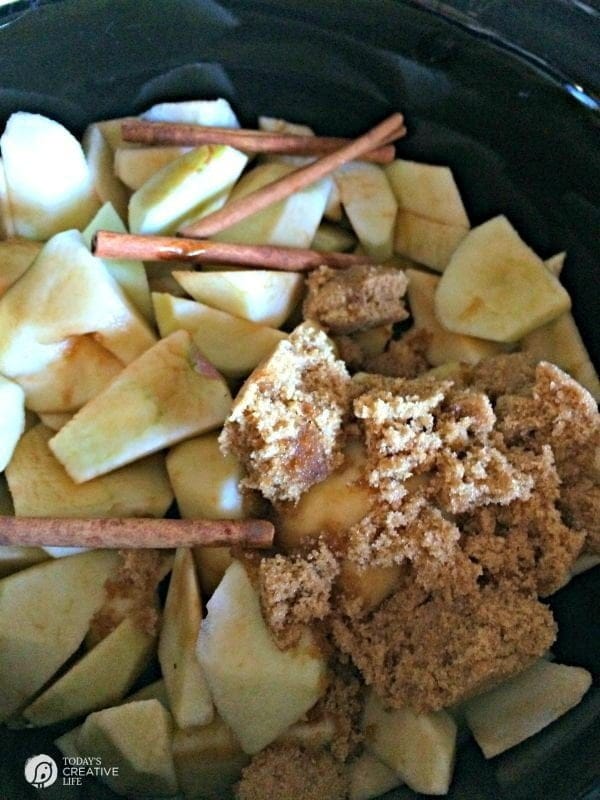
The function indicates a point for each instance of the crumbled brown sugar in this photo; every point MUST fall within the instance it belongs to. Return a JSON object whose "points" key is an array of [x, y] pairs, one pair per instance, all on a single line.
{"points": [[343, 702], [428, 653], [360, 297], [131, 592], [404, 358], [470, 513], [286, 423], [296, 591], [286, 772]]}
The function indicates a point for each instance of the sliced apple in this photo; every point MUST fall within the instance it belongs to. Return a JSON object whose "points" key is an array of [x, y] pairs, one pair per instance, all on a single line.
{"points": [[522, 706], [67, 743], [208, 760], [275, 125], [153, 691], [427, 191], [7, 225], [234, 345], [80, 371], [194, 112], [66, 292], [369, 586], [50, 187], [266, 297], [7, 508], [292, 222], [495, 286], [258, 689], [560, 343], [16, 256], [111, 129], [206, 482], [185, 189], [330, 238], [136, 165], [45, 612], [368, 777], [444, 346], [328, 508], [12, 418], [137, 739], [55, 420], [169, 394], [427, 241], [312, 735], [373, 341], [41, 487], [130, 275], [101, 678], [420, 748], [556, 263], [370, 205], [206, 486], [100, 158], [189, 695]]}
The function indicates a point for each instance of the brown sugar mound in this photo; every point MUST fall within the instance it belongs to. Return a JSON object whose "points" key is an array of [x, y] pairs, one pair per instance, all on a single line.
{"points": [[362, 296], [286, 772], [404, 358], [296, 591], [286, 422], [131, 592], [555, 410], [422, 651]]}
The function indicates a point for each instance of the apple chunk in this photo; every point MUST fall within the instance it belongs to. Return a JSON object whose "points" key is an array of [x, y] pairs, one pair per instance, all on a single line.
{"points": [[368, 777], [427, 241], [185, 189], [292, 222], [208, 760], [130, 275], [427, 191], [419, 747], [524, 705], [560, 343], [99, 156], [234, 345], [444, 346], [66, 292], [495, 286], [99, 679], [170, 393], [189, 695], [136, 165], [194, 112], [45, 612], [14, 559], [12, 419], [41, 487], [258, 689], [50, 187], [370, 205], [266, 297], [7, 225], [137, 739]]}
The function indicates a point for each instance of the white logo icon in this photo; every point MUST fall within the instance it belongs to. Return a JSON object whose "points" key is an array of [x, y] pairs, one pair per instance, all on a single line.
{"points": [[41, 771]]}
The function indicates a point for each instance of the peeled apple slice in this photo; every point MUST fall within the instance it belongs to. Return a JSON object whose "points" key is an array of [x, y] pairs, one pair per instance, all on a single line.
{"points": [[495, 287], [50, 187]]}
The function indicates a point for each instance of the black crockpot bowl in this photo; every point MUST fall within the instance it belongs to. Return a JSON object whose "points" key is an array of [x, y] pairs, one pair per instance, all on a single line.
{"points": [[521, 138]]}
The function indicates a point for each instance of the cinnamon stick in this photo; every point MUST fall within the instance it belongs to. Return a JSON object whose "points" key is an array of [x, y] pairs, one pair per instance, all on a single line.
{"points": [[250, 141], [243, 207], [201, 251], [134, 532]]}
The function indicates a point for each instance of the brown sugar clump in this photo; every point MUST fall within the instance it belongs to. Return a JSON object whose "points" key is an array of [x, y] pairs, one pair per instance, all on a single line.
{"points": [[286, 422], [131, 592], [508, 373], [362, 296], [286, 772], [295, 591], [343, 702], [420, 650], [404, 358], [557, 411]]}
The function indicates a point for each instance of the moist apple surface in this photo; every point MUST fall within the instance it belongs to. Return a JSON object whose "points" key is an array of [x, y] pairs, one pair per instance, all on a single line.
{"points": [[426, 445]]}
